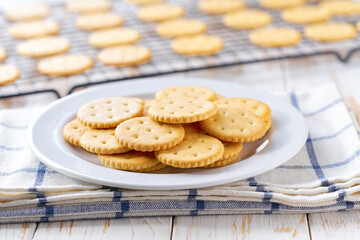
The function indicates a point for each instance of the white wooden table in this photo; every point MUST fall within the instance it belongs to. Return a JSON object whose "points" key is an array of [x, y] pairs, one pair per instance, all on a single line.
{"points": [[284, 75]]}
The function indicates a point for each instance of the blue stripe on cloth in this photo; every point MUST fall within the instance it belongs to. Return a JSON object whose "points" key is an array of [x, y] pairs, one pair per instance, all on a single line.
{"points": [[267, 195], [323, 108], [151, 206], [332, 188], [191, 198], [11, 126], [310, 149], [6, 148], [349, 205], [192, 194], [342, 194], [252, 181], [25, 170], [335, 134], [332, 165], [117, 198]]}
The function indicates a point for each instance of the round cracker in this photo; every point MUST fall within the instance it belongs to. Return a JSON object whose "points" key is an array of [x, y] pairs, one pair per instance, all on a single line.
{"points": [[113, 37], [197, 45], [64, 65], [246, 105], [182, 110], [99, 21], [109, 112], [3, 54], [180, 28], [187, 92], [101, 141], [341, 8], [8, 74], [220, 7], [221, 163], [247, 19], [233, 125], [27, 12], [73, 131], [306, 14], [275, 37], [88, 6], [42, 47], [280, 4], [196, 150], [34, 29], [330, 31], [146, 135], [131, 161], [128, 55], [160, 12], [147, 104], [146, 2]]}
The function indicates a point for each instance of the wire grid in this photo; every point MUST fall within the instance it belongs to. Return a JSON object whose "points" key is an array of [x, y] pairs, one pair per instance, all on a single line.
{"points": [[238, 50]]}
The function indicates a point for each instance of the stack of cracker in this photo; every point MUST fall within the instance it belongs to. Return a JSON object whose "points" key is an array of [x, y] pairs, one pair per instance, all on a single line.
{"points": [[183, 127]]}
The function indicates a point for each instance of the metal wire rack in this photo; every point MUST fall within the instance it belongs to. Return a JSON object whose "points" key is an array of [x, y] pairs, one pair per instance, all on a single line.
{"points": [[238, 50]]}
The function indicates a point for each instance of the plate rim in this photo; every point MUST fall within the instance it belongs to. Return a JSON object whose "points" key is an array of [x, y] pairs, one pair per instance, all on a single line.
{"points": [[195, 81]]}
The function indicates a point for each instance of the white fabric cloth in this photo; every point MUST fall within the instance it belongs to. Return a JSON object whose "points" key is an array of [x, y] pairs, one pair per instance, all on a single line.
{"points": [[323, 176]]}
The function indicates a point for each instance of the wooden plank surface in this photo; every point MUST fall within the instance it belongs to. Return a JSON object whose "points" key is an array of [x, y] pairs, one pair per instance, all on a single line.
{"points": [[23, 231], [158, 228], [336, 225], [244, 227]]}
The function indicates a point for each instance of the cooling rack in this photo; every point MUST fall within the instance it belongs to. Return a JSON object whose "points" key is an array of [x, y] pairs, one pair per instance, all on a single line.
{"points": [[238, 50]]}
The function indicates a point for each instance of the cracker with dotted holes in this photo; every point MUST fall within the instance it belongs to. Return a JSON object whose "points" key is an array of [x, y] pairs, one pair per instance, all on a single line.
{"points": [[231, 153], [3, 54], [234, 125], [101, 141], [341, 8], [88, 6], [268, 124], [192, 128], [113, 37], [197, 45], [231, 150], [330, 31], [65, 65], [42, 47], [246, 105], [132, 161], [280, 4], [109, 112], [160, 12], [99, 21], [124, 55], [182, 110], [180, 28], [8, 74], [247, 19], [275, 37], [34, 29], [220, 7], [306, 14], [196, 150], [73, 131], [192, 92], [147, 104], [27, 12], [221, 163], [146, 135]]}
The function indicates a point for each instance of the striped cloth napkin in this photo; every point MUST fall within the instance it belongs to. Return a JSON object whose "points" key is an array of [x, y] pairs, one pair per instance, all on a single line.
{"points": [[323, 176]]}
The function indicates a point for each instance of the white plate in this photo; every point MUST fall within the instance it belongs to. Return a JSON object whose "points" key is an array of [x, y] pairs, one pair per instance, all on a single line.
{"points": [[46, 140]]}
